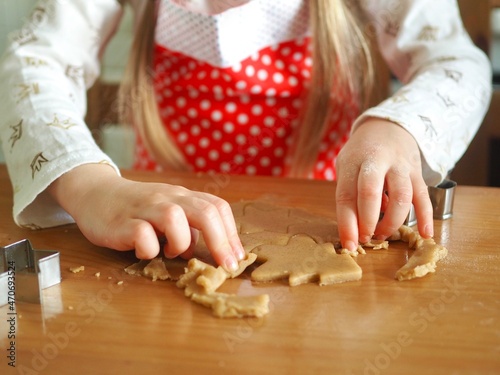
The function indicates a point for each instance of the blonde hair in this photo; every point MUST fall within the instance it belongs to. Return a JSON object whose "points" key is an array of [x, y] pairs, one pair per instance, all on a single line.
{"points": [[342, 64]]}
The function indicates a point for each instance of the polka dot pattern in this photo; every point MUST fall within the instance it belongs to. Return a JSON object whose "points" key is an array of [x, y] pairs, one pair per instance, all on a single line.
{"points": [[239, 119]]}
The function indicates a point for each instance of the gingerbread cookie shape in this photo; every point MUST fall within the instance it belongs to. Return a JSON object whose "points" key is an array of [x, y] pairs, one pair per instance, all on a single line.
{"points": [[302, 260]]}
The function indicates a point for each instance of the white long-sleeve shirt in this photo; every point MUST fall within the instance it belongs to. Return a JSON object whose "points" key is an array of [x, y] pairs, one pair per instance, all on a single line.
{"points": [[52, 61]]}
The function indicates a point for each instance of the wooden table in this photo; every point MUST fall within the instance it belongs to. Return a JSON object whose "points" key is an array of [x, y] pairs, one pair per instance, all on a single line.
{"points": [[444, 323]]}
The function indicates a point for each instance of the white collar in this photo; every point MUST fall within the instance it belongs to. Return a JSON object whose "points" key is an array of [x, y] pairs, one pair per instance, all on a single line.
{"points": [[209, 7]]}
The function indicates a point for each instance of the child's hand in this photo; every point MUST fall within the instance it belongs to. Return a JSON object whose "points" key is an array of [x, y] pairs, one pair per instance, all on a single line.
{"points": [[122, 214], [380, 157]]}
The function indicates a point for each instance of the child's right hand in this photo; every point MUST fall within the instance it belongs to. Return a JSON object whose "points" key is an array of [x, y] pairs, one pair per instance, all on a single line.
{"points": [[114, 212]]}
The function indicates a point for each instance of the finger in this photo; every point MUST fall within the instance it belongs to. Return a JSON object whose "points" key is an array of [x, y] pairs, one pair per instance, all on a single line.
{"points": [[195, 236], [346, 207], [369, 201], [206, 217], [226, 214], [423, 208], [178, 232], [385, 202], [400, 194], [139, 235], [170, 219]]}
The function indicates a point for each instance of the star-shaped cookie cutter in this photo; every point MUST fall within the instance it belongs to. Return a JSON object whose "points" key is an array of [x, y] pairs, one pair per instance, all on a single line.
{"points": [[25, 272]]}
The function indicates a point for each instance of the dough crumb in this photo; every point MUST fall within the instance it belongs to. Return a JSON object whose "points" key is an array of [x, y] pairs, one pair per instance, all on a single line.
{"points": [[353, 253], [97, 274], [119, 282], [77, 269], [376, 244]]}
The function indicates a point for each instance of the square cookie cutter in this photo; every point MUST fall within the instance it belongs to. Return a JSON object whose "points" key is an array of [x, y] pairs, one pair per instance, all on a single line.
{"points": [[442, 199], [25, 272]]}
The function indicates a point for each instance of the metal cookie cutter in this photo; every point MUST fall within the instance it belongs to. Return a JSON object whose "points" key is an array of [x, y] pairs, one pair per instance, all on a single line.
{"points": [[442, 198], [24, 272]]}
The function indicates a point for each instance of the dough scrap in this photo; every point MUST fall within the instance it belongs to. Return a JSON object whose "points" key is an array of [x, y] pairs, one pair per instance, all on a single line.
{"points": [[373, 244], [423, 261], [233, 306], [303, 260], [201, 281], [406, 234], [353, 253], [171, 269], [211, 278], [156, 269], [136, 268], [376, 244]]}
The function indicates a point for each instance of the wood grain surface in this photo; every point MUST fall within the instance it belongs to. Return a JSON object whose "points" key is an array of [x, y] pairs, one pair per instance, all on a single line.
{"points": [[444, 323]]}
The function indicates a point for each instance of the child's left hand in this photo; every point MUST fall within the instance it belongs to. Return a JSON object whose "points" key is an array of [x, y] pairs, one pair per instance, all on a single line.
{"points": [[380, 157]]}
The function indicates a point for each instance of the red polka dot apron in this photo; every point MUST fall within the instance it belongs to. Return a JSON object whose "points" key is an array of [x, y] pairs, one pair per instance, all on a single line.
{"points": [[239, 119]]}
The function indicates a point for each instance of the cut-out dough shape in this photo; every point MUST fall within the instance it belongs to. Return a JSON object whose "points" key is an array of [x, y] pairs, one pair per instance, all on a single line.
{"points": [[321, 231], [259, 220], [303, 260], [158, 268], [251, 240]]}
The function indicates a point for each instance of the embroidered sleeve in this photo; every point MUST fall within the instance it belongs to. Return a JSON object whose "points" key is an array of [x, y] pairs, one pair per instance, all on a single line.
{"points": [[45, 72], [446, 79]]}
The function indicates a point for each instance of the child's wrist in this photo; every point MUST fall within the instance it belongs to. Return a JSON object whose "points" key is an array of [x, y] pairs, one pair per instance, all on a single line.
{"points": [[69, 189]]}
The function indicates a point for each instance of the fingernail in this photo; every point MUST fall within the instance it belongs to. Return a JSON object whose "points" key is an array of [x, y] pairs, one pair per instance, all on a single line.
{"points": [[380, 237], [350, 245], [230, 264], [428, 231], [237, 249], [240, 253]]}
